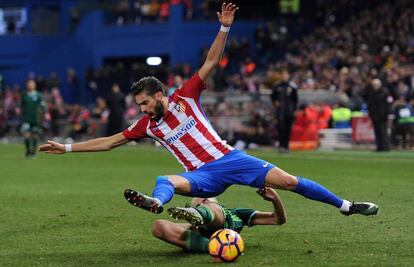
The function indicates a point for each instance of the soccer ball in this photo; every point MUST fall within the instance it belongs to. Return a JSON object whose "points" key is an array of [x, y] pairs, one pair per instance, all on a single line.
{"points": [[226, 245]]}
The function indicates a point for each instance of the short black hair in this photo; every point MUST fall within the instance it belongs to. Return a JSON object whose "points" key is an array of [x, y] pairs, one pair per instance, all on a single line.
{"points": [[149, 85]]}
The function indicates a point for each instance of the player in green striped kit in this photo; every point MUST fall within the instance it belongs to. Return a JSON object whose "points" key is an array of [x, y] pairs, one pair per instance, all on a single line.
{"points": [[33, 108], [206, 216]]}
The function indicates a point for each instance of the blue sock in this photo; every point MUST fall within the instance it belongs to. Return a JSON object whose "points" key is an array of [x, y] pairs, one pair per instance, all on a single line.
{"points": [[315, 191], [164, 189]]}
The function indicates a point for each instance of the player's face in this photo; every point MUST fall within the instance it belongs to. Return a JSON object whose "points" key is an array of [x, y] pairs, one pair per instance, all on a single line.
{"points": [[30, 85], [285, 76], [151, 105]]}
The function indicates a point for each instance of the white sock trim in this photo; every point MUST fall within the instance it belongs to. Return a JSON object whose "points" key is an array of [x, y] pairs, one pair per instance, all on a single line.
{"points": [[158, 201], [345, 205]]}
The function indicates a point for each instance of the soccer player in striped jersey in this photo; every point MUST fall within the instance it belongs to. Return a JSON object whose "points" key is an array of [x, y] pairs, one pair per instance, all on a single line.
{"points": [[179, 124], [206, 216]]}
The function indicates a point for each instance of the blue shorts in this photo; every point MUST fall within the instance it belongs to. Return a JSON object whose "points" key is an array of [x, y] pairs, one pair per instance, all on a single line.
{"points": [[236, 167]]}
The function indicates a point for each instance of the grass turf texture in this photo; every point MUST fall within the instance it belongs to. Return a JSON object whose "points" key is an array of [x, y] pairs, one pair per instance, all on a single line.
{"points": [[69, 211]]}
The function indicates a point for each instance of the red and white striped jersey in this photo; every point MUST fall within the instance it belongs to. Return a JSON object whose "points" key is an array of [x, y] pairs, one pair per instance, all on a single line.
{"points": [[184, 130]]}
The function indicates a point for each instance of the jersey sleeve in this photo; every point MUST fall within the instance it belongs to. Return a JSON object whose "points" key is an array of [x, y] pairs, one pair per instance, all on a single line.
{"points": [[137, 130], [246, 215], [192, 87]]}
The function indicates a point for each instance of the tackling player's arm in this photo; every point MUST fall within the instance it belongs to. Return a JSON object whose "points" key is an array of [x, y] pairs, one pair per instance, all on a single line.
{"points": [[93, 145], [216, 50], [277, 217]]}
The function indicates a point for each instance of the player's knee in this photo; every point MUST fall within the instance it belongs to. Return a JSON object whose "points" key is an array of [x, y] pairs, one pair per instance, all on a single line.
{"points": [[287, 182], [158, 228], [291, 182], [279, 179]]}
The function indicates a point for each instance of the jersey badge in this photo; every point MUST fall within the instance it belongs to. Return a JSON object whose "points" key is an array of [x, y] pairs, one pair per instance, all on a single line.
{"points": [[180, 107]]}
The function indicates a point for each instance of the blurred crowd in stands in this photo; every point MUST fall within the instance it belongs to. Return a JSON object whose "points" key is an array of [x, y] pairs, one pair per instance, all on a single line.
{"points": [[347, 53], [141, 11]]}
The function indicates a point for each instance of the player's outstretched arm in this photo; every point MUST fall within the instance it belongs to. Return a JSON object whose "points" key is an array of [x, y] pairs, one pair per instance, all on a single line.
{"points": [[93, 145], [225, 17], [278, 216]]}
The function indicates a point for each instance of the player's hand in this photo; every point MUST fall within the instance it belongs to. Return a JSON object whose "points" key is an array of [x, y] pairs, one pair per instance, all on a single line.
{"points": [[227, 14], [267, 193], [52, 148]]}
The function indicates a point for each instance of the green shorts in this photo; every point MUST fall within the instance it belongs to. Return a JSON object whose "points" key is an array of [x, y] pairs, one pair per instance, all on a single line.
{"points": [[31, 128]]}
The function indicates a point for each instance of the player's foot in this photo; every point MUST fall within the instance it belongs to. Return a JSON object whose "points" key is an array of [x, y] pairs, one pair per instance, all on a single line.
{"points": [[143, 201], [364, 208], [189, 214]]}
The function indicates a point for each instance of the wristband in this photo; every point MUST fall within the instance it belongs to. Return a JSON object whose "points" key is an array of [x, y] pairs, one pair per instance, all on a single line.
{"points": [[68, 148], [224, 28]]}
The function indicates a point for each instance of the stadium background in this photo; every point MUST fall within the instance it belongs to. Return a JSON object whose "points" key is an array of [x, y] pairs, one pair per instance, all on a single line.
{"points": [[77, 50]]}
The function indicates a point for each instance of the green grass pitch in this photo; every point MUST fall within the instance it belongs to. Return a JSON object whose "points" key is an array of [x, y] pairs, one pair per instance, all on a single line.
{"points": [[69, 210]]}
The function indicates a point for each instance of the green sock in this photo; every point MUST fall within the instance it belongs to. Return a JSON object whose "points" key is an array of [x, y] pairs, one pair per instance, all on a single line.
{"points": [[34, 145], [27, 145], [194, 242], [206, 213]]}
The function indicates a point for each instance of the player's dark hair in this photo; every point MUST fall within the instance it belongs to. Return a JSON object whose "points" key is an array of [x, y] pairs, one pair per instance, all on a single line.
{"points": [[149, 85]]}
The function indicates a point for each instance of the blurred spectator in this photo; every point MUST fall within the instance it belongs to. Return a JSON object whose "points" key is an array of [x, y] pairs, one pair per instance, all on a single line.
{"points": [[72, 85], [131, 111], [252, 134], [178, 82], [154, 10], [403, 127], [146, 10], [9, 102], [137, 11], [116, 106], [11, 26], [41, 84], [79, 119], [164, 12], [91, 78], [324, 117], [379, 102], [306, 124], [188, 9], [100, 110], [122, 10], [100, 115], [53, 81], [341, 116], [285, 99], [2, 121], [57, 110]]}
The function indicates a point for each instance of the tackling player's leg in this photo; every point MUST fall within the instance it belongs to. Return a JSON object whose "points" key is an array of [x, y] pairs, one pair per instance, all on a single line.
{"points": [[180, 234], [190, 214], [205, 212]]}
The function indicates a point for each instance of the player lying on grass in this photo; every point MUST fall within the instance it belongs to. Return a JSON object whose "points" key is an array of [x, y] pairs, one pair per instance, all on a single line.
{"points": [[206, 216], [179, 124]]}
